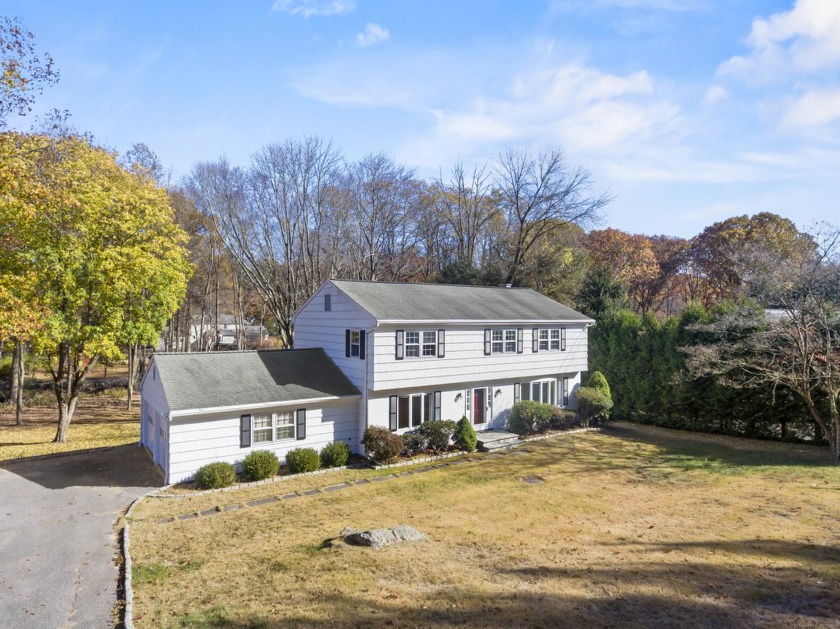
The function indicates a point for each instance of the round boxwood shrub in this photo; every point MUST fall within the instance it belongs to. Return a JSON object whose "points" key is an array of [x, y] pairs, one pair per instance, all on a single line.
{"points": [[382, 444], [438, 433], [335, 454], [465, 437], [528, 417], [215, 475], [301, 460], [260, 464], [562, 418], [594, 405], [413, 443]]}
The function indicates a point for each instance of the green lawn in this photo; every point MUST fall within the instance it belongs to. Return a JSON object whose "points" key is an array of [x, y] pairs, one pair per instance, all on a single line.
{"points": [[637, 526]]}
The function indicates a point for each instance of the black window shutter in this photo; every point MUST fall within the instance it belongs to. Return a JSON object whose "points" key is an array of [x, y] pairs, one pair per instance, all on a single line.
{"points": [[245, 431], [392, 413], [426, 410], [516, 392], [400, 349], [301, 424], [441, 348], [347, 343], [562, 339], [437, 405], [487, 342], [535, 340], [362, 344], [519, 343]]}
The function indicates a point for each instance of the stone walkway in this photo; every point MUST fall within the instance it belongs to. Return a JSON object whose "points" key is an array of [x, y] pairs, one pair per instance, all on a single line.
{"points": [[331, 488]]}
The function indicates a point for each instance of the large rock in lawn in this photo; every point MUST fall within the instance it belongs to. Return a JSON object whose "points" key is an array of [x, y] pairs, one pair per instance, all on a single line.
{"points": [[378, 538]]}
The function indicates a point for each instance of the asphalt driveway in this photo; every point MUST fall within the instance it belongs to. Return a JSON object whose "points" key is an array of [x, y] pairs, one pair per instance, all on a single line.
{"points": [[57, 540]]}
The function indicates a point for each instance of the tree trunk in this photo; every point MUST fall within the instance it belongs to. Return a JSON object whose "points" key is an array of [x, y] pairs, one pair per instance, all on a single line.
{"points": [[65, 416], [68, 378], [132, 372], [17, 377]]}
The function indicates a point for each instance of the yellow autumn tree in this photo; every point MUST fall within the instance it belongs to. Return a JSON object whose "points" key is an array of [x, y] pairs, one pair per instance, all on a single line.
{"points": [[106, 262]]}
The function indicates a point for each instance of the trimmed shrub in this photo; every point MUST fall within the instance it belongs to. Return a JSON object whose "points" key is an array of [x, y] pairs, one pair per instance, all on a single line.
{"points": [[599, 382], [260, 464], [594, 405], [215, 475], [335, 454], [562, 418], [413, 444], [301, 460], [528, 417], [465, 437], [438, 433], [382, 444]]}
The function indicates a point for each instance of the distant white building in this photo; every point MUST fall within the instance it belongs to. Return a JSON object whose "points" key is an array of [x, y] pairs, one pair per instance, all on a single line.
{"points": [[366, 354]]}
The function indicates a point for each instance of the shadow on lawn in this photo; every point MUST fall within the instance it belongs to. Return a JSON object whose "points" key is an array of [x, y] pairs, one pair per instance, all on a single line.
{"points": [[694, 594], [120, 466], [716, 604], [733, 451]]}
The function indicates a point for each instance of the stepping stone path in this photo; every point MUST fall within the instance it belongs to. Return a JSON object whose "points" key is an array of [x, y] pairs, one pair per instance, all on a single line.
{"points": [[331, 488], [533, 480]]}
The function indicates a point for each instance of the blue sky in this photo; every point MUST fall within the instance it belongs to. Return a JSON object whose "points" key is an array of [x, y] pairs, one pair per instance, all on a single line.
{"points": [[687, 111]]}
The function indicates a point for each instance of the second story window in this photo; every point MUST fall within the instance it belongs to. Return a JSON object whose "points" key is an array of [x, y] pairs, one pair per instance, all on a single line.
{"points": [[412, 344], [543, 340], [355, 342], [419, 344], [429, 343], [502, 341]]}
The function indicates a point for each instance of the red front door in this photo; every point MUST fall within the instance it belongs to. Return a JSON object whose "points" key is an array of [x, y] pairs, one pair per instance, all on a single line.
{"points": [[479, 404]]}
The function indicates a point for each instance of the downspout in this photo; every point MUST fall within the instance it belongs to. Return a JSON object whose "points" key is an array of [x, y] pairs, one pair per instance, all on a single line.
{"points": [[369, 364]]}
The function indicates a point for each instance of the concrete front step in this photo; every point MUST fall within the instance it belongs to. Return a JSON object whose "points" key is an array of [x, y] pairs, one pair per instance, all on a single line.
{"points": [[496, 439]]}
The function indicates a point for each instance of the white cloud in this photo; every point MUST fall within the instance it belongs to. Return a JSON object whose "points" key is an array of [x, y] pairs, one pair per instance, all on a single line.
{"points": [[585, 109], [373, 34], [804, 40], [308, 8], [816, 108], [714, 94]]}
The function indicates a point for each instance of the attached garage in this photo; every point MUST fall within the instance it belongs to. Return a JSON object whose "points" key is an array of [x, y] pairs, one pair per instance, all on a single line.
{"points": [[219, 406]]}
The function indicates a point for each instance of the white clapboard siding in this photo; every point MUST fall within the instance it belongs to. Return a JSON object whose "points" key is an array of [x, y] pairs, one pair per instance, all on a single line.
{"points": [[198, 440], [500, 395], [154, 414], [465, 361], [315, 327]]}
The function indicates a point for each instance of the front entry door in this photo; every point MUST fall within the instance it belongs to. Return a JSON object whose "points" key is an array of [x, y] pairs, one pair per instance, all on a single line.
{"points": [[479, 405]]}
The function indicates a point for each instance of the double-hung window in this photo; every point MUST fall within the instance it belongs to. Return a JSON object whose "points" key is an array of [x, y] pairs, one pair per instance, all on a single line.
{"points": [[270, 427], [263, 428], [543, 340], [510, 341], [355, 342], [412, 344], [284, 425], [429, 343], [422, 343], [503, 342], [498, 345], [555, 339]]}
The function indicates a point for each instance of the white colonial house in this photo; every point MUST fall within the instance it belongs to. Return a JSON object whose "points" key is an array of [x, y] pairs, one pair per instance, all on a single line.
{"points": [[366, 354]]}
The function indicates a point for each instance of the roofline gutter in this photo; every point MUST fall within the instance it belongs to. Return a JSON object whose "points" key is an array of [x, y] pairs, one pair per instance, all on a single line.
{"points": [[222, 409], [437, 322]]}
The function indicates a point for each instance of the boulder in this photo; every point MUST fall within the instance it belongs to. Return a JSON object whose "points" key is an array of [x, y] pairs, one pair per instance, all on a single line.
{"points": [[378, 538]]}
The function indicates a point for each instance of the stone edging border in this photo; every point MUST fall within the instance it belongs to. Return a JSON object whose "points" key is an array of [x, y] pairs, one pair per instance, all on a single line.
{"points": [[128, 609]]}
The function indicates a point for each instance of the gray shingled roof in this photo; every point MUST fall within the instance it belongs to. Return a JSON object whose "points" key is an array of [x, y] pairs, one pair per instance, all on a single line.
{"points": [[446, 302], [213, 379]]}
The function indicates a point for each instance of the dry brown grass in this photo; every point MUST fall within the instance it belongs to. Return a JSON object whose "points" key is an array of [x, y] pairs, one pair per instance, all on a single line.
{"points": [[634, 527], [100, 421]]}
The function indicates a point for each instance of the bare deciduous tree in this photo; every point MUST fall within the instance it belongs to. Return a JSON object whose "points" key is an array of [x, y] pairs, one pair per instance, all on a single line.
{"points": [[539, 194]]}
